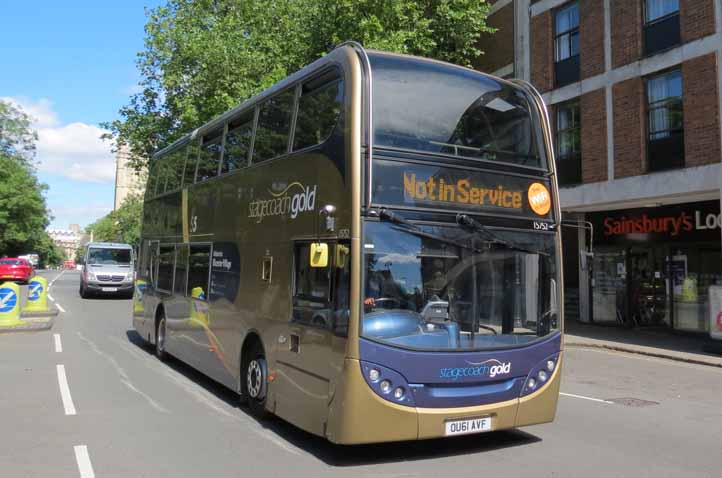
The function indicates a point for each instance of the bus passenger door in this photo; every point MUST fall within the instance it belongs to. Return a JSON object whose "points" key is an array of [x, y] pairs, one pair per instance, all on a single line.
{"points": [[312, 356]]}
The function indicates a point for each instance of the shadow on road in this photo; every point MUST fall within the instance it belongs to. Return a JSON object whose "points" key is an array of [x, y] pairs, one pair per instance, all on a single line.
{"points": [[357, 455]]}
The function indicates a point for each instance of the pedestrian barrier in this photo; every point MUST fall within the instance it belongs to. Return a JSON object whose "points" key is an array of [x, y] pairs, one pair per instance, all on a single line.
{"points": [[10, 305], [37, 295]]}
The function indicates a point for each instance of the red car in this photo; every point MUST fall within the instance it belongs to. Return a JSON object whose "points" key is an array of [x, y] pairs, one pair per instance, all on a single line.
{"points": [[15, 269]]}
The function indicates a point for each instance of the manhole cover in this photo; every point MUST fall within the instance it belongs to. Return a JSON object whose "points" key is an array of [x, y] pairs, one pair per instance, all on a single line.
{"points": [[632, 402]]}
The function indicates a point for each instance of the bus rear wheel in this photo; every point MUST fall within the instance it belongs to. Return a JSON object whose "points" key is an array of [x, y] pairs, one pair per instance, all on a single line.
{"points": [[255, 381]]}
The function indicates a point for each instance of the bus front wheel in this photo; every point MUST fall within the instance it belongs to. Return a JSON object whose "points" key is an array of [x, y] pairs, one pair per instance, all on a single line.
{"points": [[255, 381]]}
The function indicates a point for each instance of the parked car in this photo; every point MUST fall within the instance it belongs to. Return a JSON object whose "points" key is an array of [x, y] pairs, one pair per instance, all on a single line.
{"points": [[16, 269], [107, 269]]}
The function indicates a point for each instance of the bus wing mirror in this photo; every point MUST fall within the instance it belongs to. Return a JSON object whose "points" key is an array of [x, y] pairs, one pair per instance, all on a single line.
{"points": [[319, 254]]}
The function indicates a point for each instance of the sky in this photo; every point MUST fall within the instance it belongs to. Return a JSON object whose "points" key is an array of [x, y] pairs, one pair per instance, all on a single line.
{"points": [[70, 65]]}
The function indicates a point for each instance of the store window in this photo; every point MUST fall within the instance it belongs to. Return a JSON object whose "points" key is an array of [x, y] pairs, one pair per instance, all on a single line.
{"points": [[661, 25], [566, 45], [665, 122], [568, 132]]}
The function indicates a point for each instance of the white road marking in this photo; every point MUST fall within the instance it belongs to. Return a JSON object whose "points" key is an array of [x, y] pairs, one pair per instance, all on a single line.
{"points": [[83, 459], [586, 398], [53, 281], [58, 344], [51, 297], [204, 397], [65, 391], [60, 307], [125, 379]]}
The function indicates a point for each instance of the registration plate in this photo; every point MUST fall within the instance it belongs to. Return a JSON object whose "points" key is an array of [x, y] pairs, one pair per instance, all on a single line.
{"points": [[467, 426], [110, 289]]}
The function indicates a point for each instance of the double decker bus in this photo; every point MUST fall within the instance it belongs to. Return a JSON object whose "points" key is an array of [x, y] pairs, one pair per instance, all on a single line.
{"points": [[369, 249]]}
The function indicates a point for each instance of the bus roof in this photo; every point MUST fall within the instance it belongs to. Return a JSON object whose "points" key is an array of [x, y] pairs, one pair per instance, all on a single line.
{"points": [[109, 245]]}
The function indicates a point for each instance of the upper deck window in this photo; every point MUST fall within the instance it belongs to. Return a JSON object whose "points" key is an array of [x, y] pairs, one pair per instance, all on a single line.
{"points": [[319, 107], [431, 107], [210, 155], [274, 123]]}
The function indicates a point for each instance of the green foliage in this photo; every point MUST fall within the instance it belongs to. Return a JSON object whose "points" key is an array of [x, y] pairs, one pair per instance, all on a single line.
{"points": [[17, 139], [121, 225], [202, 57], [23, 212]]}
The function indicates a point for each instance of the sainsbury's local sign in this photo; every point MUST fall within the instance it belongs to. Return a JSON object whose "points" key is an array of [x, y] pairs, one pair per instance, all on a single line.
{"points": [[699, 221]]}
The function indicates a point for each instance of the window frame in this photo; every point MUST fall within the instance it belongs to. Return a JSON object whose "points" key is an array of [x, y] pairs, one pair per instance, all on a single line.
{"points": [[570, 32], [210, 268], [172, 278], [577, 120], [337, 79], [215, 136], [645, 10], [257, 122], [253, 113], [663, 103]]}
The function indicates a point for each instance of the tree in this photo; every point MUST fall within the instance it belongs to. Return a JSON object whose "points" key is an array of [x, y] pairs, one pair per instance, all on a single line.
{"points": [[23, 211], [122, 225], [203, 57]]}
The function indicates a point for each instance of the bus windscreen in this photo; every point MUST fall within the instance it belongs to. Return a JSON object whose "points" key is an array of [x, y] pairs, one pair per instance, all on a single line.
{"points": [[431, 107]]}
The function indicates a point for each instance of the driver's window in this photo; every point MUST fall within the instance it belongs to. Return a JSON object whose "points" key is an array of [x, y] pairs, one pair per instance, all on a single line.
{"points": [[311, 297]]}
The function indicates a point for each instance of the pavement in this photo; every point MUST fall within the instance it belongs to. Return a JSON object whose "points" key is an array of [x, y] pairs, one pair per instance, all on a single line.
{"points": [[89, 399], [653, 342]]}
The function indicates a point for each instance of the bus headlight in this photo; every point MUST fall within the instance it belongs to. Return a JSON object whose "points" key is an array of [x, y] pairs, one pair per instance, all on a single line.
{"points": [[387, 384], [540, 375], [550, 365], [399, 393]]}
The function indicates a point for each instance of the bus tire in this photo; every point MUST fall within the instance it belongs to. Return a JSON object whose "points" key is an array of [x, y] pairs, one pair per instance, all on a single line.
{"points": [[255, 380], [160, 331]]}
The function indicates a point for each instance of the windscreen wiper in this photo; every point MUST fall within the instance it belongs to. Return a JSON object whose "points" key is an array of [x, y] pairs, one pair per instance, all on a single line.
{"points": [[386, 215], [470, 223]]}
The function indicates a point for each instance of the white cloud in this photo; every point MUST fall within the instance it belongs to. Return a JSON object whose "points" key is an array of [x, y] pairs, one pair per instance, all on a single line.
{"points": [[72, 150], [41, 111]]}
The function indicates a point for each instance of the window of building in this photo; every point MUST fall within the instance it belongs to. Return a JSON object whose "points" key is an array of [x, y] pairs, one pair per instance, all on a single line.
{"points": [[210, 155], [319, 107], [568, 132], [238, 143], [199, 264], [661, 25], [566, 44], [665, 121], [274, 123], [166, 260]]}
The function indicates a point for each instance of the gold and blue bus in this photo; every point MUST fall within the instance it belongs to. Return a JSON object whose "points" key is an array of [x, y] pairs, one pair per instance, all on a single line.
{"points": [[369, 249]]}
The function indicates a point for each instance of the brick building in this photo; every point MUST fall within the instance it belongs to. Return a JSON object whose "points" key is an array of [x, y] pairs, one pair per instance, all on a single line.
{"points": [[633, 90]]}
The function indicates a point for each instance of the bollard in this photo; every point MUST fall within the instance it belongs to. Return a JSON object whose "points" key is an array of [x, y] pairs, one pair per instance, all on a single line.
{"points": [[37, 295], [10, 305]]}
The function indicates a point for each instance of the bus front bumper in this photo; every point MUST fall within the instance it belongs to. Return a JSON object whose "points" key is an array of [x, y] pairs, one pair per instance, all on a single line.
{"points": [[358, 415]]}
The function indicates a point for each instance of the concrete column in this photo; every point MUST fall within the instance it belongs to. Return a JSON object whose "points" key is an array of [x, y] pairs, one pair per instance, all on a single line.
{"points": [[522, 59]]}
